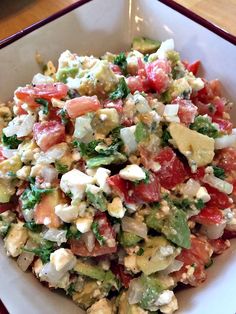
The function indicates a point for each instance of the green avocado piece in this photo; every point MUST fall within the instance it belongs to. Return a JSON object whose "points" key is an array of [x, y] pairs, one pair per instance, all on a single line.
{"points": [[152, 288], [102, 160], [5, 191], [64, 73], [91, 271], [145, 45], [128, 239], [86, 297]]}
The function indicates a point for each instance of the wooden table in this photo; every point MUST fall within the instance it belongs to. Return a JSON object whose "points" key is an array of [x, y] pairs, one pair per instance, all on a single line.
{"points": [[15, 15]]}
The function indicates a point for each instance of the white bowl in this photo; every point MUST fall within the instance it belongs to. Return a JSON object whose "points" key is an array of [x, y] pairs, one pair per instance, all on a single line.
{"points": [[93, 27]]}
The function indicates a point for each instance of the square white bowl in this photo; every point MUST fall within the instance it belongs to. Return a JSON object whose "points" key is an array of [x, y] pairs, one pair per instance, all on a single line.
{"points": [[93, 27]]}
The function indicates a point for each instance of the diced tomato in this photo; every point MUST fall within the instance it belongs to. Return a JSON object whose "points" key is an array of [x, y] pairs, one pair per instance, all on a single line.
{"points": [[229, 234], [5, 206], [187, 110], [119, 271], [115, 68], [209, 216], [46, 209], [117, 104], [192, 67], [198, 255], [135, 84], [106, 231], [209, 92], [157, 74], [147, 192], [20, 109], [81, 105], [172, 170], [198, 175], [226, 158], [226, 126], [121, 187], [53, 115], [218, 199], [48, 133], [219, 245], [46, 91]]}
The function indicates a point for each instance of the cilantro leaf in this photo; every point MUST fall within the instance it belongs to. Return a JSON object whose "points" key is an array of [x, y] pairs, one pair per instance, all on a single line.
{"points": [[32, 226], [61, 168], [32, 195], [11, 142], [44, 103], [43, 252], [204, 126], [64, 116], [72, 232], [86, 149], [98, 200], [121, 61], [96, 232], [122, 90], [165, 137], [219, 172]]}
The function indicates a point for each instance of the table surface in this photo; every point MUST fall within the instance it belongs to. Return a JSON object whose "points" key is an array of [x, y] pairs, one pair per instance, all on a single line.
{"points": [[15, 15]]}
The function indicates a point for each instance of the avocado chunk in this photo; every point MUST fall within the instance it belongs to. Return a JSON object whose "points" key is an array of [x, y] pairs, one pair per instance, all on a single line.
{"points": [[125, 308], [6, 191], [86, 297], [128, 239], [91, 271], [158, 255], [11, 164], [145, 45]]}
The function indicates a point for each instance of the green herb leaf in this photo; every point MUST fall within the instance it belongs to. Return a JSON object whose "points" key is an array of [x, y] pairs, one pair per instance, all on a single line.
{"points": [[219, 172], [31, 196], [204, 126], [11, 142], [199, 204], [32, 226], [97, 200], [61, 168], [121, 61], [72, 232], [71, 290], [44, 103], [165, 137], [86, 149], [11, 174], [122, 90], [64, 116], [42, 252], [96, 232], [141, 132], [140, 251]]}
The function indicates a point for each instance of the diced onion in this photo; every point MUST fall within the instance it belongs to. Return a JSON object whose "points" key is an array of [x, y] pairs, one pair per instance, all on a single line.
{"points": [[49, 174], [135, 291], [26, 258], [134, 226], [128, 137], [41, 79], [225, 141], [55, 235], [50, 274], [175, 266], [213, 231], [219, 184], [190, 188], [89, 240], [171, 110]]}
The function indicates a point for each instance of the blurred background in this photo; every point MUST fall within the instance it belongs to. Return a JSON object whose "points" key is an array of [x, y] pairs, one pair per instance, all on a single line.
{"points": [[16, 15]]}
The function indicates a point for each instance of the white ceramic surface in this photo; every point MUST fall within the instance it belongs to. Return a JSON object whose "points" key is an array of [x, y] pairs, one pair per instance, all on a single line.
{"points": [[110, 25]]}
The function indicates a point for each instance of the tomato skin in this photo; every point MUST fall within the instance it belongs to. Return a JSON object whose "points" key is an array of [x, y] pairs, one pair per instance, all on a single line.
{"points": [[192, 67], [105, 229], [81, 105], [119, 271], [209, 216], [218, 199], [147, 192], [225, 125], [199, 254], [172, 170], [187, 110], [219, 245], [48, 133], [226, 159], [115, 68], [198, 175], [135, 84], [157, 74], [121, 186], [46, 91]]}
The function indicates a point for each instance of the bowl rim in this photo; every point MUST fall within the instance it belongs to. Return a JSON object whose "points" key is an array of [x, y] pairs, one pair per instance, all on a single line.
{"points": [[170, 3]]}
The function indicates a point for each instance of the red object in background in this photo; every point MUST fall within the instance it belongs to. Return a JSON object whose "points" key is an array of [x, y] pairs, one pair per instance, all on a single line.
{"points": [[3, 310]]}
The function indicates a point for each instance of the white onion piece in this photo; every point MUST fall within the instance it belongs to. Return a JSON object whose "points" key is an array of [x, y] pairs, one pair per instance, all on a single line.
{"points": [[134, 226], [190, 188], [8, 153], [219, 184], [128, 137], [83, 130], [89, 240], [135, 291], [225, 141], [55, 235], [49, 174], [25, 259], [213, 231], [171, 110], [39, 78], [175, 266], [50, 274]]}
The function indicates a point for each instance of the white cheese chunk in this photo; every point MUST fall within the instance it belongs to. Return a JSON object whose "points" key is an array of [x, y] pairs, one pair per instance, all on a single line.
{"points": [[67, 213], [83, 224], [100, 177], [128, 137], [132, 173], [75, 182], [203, 194], [63, 260]]}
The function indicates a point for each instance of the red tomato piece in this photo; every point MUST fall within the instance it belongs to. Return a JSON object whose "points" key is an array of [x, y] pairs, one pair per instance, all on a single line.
{"points": [[192, 67], [218, 199], [147, 192], [172, 170], [226, 126], [104, 227], [209, 216], [122, 187], [157, 74], [117, 104], [46, 91], [119, 271], [135, 84], [219, 245], [226, 159], [2, 157], [198, 175], [187, 110], [48, 133], [81, 105], [229, 234], [209, 92], [115, 68], [199, 254]]}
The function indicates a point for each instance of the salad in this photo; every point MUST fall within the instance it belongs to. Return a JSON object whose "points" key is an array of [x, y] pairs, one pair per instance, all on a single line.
{"points": [[117, 177]]}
